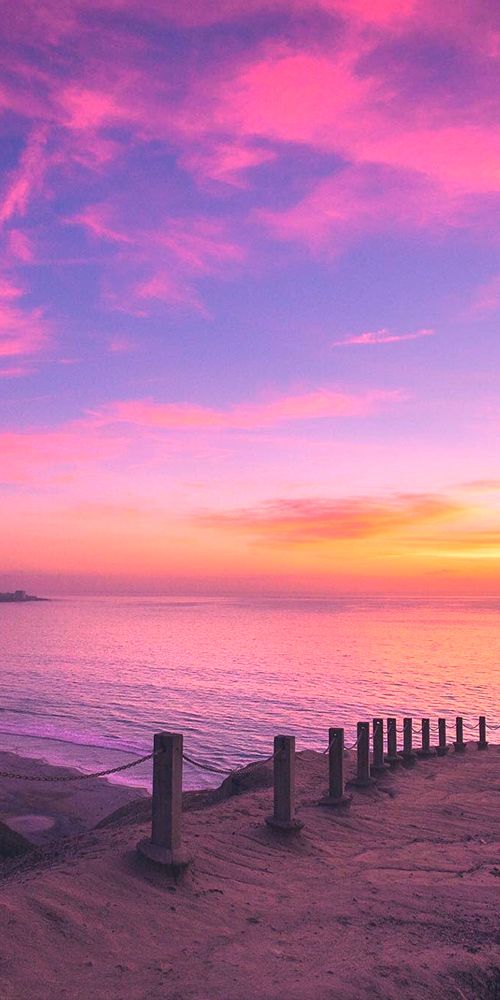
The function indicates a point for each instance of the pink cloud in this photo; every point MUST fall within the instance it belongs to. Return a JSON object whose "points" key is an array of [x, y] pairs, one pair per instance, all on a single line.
{"points": [[163, 287], [382, 337], [487, 298], [54, 22], [97, 219], [225, 162], [198, 244], [199, 13], [86, 108], [188, 248], [360, 200], [319, 404], [388, 13], [436, 160], [225, 119], [121, 345], [26, 179], [425, 157], [448, 152], [463, 158], [20, 246], [14, 372], [45, 450], [482, 485], [22, 330], [9, 291], [293, 96]]}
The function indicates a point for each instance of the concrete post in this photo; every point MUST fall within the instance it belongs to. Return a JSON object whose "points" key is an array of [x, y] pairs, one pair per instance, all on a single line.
{"points": [[165, 845], [426, 749], [460, 746], [363, 777], [392, 757], [407, 754], [378, 765], [336, 797], [442, 748], [284, 786], [482, 744]]}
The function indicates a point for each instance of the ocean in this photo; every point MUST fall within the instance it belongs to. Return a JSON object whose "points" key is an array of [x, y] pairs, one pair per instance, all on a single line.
{"points": [[87, 681]]}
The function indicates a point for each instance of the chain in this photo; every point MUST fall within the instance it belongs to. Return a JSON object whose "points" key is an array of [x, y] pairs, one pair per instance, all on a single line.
{"points": [[207, 767], [196, 763], [80, 777], [331, 744], [219, 770]]}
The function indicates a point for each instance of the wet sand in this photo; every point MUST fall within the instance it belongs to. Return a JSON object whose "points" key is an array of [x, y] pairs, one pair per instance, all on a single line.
{"points": [[397, 898]]}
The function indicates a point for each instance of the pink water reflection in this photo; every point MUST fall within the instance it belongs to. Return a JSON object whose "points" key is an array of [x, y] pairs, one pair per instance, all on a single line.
{"points": [[85, 679]]}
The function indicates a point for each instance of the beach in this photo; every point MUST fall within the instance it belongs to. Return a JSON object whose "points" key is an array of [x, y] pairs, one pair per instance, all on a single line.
{"points": [[397, 897], [44, 811]]}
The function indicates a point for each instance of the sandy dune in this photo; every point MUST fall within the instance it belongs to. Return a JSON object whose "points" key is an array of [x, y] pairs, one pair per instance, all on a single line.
{"points": [[397, 899]]}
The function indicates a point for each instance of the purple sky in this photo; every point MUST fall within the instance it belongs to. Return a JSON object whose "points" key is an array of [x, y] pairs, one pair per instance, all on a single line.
{"points": [[249, 295]]}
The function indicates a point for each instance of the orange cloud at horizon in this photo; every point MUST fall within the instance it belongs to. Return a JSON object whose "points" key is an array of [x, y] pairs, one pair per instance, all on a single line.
{"points": [[360, 544]]}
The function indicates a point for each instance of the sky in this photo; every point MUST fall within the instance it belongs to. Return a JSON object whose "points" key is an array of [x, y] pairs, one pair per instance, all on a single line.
{"points": [[249, 296]]}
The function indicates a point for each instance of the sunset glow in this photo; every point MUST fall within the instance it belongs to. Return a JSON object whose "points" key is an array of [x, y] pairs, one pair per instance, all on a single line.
{"points": [[249, 296]]}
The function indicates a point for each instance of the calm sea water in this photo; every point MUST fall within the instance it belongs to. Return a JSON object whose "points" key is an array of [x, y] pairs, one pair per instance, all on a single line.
{"points": [[87, 681]]}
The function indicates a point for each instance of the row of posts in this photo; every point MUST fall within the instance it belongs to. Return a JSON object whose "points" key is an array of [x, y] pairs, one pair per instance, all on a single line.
{"points": [[165, 845]]}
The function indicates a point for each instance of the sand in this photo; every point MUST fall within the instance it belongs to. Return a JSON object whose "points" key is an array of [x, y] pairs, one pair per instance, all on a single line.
{"points": [[399, 898], [44, 811]]}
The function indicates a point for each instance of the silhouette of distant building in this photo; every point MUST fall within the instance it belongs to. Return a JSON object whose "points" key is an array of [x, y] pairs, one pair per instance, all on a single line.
{"points": [[19, 596]]}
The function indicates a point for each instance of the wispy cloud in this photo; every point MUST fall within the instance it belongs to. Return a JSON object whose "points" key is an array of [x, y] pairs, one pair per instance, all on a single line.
{"points": [[225, 162], [20, 246], [482, 485], [159, 263], [142, 430], [26, 179], [318, 404], [15, 372], [487, 297], [98, 221], [23, 330], [121, 345], [39, 453], [382, 337], [363, 199]]}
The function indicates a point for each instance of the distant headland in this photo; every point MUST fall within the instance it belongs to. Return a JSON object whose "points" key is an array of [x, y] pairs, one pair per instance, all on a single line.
{"points": [[20, 597]]}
